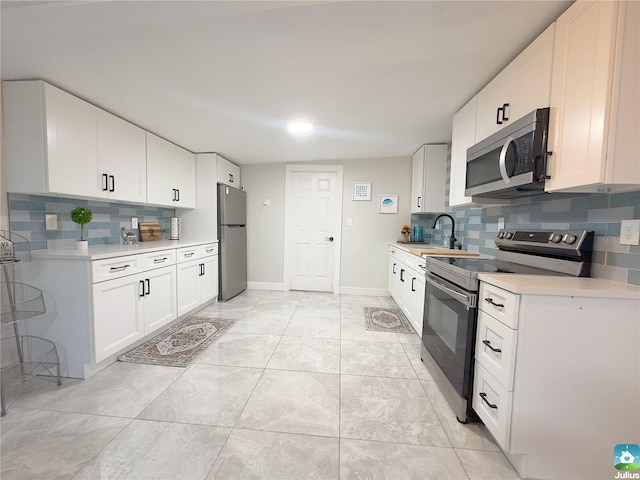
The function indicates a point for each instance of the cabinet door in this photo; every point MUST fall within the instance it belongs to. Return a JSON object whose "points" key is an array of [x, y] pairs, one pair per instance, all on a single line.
{"points": [[532, 75], [188, 295], [435, 178], [208, 280], [183, 177], [417, 181], [122, 158], [233, 175], [393, 275], [497, 95], [463, 137], [72, 143], [585, 42], [160, 298], [117, 315], [159, 189]]}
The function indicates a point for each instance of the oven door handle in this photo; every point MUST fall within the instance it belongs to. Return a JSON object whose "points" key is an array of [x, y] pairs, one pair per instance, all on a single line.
{"points": [[468, 302]]}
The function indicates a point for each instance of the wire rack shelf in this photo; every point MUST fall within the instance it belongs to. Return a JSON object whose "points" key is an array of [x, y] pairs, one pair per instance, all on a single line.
{"points": [[21, 356]]}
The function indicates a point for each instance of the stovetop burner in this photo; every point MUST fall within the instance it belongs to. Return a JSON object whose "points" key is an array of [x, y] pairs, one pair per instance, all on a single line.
{"points": [[531, 252]]}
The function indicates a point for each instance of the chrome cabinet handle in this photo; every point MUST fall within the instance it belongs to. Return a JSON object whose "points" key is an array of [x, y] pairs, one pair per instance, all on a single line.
{"points": [[160, 260]]}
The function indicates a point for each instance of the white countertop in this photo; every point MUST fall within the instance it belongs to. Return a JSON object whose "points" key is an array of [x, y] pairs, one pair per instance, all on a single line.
{"points": [[561, 286], [99, 252]]}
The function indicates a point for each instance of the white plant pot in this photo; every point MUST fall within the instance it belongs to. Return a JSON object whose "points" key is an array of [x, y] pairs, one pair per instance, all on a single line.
{"points": [[82, 244]]}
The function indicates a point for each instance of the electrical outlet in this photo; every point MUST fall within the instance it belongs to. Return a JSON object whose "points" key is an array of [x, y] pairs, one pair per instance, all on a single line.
{"points": [[500, 223], [630, 232], [134, 222], [50, 221]]}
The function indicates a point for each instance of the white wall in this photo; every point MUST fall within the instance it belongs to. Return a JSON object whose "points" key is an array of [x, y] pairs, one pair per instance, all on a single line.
{"points": [[4, 208], [364, 251]]}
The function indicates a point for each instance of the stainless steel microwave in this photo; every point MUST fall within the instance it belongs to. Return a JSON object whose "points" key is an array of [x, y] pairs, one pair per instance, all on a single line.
{"points": [[512, 162]]}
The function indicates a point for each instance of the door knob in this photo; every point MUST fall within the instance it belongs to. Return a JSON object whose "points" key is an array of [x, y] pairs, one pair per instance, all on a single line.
{"points": [[329, 238]]}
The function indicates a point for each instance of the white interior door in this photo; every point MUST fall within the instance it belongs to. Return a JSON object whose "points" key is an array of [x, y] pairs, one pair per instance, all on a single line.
{"points": [[313, 222]]}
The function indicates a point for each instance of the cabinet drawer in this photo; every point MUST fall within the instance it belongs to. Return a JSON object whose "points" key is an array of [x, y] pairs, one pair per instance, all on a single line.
{"points": [[500, 304], [158, 259], [208, 250], [492, 402], [419, 264], [496, 348], [187, 254], [116, 267]]}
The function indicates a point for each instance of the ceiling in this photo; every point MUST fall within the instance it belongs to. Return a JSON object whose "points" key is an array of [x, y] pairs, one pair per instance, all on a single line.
{"points": [[377, 78]]}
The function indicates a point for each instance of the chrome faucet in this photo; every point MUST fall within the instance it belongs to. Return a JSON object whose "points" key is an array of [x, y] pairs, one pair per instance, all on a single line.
{"points": [[452, 238]]}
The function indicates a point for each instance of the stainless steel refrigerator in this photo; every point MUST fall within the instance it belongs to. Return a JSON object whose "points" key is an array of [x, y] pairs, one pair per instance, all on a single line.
{"points": [[232, 233]]}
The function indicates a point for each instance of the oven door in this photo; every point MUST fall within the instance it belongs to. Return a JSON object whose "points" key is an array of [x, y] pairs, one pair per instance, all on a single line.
{"points": [[448, 330]]}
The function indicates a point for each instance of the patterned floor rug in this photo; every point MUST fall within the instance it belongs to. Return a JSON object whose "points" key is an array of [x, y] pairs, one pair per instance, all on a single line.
{"points": [[386, 320], [181, 344]]}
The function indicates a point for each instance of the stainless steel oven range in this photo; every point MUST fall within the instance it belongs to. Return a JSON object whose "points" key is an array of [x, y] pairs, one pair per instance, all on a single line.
{"points": [[451, 299]]}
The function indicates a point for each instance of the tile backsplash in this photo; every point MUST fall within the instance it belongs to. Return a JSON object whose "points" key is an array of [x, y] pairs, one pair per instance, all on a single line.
{"points": [[476, 226], [26, 218]]}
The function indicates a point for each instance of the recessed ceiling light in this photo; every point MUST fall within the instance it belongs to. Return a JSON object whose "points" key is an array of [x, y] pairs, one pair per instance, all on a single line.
{"points": [[300, 128]]}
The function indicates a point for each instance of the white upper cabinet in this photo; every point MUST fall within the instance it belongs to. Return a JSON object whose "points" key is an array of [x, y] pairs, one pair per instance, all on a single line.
{"points": [[520, 88], [171, 174], [463, 137], [122, 159], [429, 176], [58, 144], [228, 173], [594, 99]]}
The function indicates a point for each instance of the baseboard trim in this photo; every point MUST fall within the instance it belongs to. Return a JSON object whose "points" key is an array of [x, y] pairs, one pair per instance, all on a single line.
{"points": [[264, 286], [373, 292]]}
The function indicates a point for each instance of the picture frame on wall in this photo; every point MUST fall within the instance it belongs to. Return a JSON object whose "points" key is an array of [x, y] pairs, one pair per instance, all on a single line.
{"points": [[388, 203], [361, 191]]}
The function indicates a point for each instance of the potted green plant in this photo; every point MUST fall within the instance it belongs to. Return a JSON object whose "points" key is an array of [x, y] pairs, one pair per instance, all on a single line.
{"points": [[81, 216]]}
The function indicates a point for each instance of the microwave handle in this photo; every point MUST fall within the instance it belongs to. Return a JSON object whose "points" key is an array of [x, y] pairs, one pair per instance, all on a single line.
{"points": [[503, 159]]}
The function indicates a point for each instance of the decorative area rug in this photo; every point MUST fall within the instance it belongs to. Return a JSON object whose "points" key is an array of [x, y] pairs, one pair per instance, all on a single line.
{"points": [[181, 344], [386, 320]]}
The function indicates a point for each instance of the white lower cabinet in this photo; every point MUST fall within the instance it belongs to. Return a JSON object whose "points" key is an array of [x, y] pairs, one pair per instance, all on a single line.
{"points": [[159, 298], [117, 315], [130, 307], [197, 277], [548, 370], [407, 285], [104, 307]]}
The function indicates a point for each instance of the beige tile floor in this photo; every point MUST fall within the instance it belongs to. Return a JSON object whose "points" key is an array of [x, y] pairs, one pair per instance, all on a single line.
{"points": [[297, 389]]}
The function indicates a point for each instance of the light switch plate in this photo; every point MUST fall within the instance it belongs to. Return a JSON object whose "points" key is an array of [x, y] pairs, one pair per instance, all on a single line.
{"points": [[630, 232], [50, 221]]}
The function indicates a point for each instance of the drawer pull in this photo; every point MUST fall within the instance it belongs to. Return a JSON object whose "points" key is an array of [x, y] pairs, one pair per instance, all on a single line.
{"points": [[119, 269], [488, 344], [187, 255], [160, 260], [209, 250], [484, 399], [490, 300]]}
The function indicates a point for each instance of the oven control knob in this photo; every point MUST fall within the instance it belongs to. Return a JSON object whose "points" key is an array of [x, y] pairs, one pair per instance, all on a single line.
{"points": [[569, 239], [508, 235], [555, 238], [500, 234]]}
